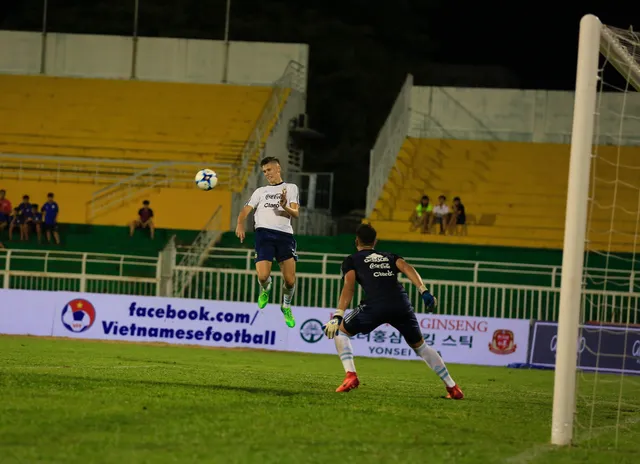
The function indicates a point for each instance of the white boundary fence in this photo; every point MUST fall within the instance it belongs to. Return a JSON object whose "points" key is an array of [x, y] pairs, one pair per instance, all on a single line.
{"points": [[85, 272]]}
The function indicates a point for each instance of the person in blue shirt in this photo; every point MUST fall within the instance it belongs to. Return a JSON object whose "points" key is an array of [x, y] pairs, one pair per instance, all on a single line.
{"points": [[36, 221], [50, 211], [16, 221]]}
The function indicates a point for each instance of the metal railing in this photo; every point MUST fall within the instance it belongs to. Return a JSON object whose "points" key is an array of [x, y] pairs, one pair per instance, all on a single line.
{"points": [[138, 275], [390, 139], [79, 272], [291, 79], [157, 176], [198, 252], [618, 280]]}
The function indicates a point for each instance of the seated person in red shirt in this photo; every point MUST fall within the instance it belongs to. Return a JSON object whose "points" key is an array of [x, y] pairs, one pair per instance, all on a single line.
{"points": [[5, 210], [145, 219]]}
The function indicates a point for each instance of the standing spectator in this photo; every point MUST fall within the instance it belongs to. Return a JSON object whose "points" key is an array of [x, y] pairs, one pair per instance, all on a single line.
{"points": [[441, 214], [50, 211], [26, 208], [5, 210], [145, 219], [421, 215], [37, 221], [459, 219]]}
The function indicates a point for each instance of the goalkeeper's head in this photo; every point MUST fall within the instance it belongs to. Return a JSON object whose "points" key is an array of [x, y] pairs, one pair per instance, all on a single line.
{"points": [[365, 236]]}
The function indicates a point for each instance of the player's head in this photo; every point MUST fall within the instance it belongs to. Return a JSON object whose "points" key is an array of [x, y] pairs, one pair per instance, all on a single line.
{"points": [[456, 201], [145, 204], [271, 169], [2, 194], [25, 198], [34, 206], [50, 197], [365, 236], [424, 200], [442, 199]]}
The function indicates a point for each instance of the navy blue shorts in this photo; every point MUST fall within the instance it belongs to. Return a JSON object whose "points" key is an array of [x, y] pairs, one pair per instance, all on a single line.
{"points": [[3, 218], [272, 244], [365, 318]]}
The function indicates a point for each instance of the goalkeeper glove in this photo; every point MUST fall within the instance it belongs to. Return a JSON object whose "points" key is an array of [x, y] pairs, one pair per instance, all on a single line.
{"points": [[331, 328], [429, 300]]}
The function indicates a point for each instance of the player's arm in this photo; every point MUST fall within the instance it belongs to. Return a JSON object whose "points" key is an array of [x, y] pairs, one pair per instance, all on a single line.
{"points": [[292, 209], [289, 201], [348, 290], [408, 270], [242, 217]]}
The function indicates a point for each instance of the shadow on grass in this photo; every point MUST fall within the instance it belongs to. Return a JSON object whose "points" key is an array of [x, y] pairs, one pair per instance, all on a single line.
{"points": [[90, 383]]}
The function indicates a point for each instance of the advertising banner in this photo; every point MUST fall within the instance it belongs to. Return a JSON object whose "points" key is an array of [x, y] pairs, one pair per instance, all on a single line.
{"points": [[23, 312], [466, 340], [459, 339], [169, 320], [612, 349]]}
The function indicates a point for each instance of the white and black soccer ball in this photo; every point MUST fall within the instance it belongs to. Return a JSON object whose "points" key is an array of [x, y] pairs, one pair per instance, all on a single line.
{"points": [[206, 179]]}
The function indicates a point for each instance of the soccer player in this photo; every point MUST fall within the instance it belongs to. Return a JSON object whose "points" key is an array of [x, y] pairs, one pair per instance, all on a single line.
{"points": [[386, 302], [50, 211], [274, 205]]}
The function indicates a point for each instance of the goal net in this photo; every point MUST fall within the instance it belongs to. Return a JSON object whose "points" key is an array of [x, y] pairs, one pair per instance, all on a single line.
{"points": [[597, 378]]}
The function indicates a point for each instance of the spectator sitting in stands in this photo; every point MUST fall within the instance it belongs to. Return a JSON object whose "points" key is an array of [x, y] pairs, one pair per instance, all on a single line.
{"points": [[50, 211], [421, 215], [145, 219], [37, 221], [27, 217], [16, 221], [441, 214], [5, 210], [459, 218]]}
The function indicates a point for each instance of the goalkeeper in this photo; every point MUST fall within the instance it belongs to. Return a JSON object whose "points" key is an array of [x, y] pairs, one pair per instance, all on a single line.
{"points": [[386, 302]]}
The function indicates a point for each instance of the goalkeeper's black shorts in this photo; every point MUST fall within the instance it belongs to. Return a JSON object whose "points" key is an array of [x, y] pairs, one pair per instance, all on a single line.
{"points": [[366, 318]]}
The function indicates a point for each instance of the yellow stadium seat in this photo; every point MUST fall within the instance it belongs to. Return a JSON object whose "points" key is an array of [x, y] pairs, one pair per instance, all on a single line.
{"points": [[515, 191], [104, 118]]}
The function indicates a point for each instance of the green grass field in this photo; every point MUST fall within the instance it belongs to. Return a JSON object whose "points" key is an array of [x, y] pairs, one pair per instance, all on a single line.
{"points": [[68, 401]]}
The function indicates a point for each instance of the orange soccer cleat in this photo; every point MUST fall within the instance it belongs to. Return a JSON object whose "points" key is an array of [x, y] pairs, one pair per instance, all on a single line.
{"points": [[349, 383], [454, 393]]}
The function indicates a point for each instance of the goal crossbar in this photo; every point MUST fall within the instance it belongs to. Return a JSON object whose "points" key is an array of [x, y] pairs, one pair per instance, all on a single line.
{"points": [[619, 57]]}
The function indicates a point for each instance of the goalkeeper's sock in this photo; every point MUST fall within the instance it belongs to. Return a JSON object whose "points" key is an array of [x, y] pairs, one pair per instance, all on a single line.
{"points": [[266, 284], [287, 295], [435, 362], [345, 351]]}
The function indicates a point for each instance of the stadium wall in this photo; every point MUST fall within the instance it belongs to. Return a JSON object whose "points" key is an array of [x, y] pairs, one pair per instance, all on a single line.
{"points": [[157, 59], [514, 115]]}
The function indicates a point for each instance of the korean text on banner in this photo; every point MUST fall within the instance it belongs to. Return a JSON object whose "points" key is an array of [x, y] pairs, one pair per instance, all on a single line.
{"points": [[614, 349], [459, 339]]}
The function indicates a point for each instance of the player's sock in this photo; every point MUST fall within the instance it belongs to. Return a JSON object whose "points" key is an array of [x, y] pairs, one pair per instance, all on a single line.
{"points": [[345, 351], [266, 284], [435, 362], [287, 295]]}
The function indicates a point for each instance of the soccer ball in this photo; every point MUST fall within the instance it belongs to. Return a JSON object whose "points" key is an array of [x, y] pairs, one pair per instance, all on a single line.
{"points": [[206, 179]]}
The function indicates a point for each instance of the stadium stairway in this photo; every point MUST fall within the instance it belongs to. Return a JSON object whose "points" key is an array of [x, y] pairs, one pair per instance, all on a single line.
{"points": [[514, 193]]}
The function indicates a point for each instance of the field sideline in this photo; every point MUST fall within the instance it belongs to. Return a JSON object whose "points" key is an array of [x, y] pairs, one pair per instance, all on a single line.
{"points": [[70, 401]]}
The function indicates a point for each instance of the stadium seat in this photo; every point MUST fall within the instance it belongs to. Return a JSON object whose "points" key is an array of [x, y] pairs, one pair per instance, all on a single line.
{"points": [[515, 191], [122, 119]]}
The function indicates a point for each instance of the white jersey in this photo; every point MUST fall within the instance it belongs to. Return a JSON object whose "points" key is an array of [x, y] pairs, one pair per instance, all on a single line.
{"points": [[266, 203]]}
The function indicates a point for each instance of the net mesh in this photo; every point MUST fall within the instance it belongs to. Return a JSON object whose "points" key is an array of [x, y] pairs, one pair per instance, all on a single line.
{"points": [[608, 398]]}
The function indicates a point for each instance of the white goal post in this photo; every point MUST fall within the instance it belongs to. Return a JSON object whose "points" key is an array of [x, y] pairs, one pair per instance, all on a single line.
{"points": [[594, 38]]}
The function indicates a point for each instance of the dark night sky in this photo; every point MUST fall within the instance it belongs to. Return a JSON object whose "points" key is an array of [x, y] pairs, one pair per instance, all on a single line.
{"points": [[360, 53]]}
